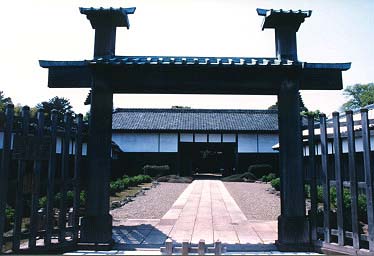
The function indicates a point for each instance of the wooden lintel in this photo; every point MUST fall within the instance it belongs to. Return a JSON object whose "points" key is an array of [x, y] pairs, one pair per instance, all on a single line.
{"points": [[191, 80]]}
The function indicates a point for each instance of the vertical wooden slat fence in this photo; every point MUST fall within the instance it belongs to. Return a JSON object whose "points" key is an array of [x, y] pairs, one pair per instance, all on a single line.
{"points": [[353, 179], [5, 167], [368, 169], [313, 181], [325, 179], [51, 179], [338, 177], [20, 175], [36, 186], [342, 172], [34, 147]]}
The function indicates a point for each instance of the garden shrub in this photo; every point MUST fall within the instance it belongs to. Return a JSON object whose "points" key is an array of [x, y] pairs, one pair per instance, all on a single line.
{"points": [[156, 170], [69, 199], [9, 217], [269, 177], [260, 170], [125, 182], [275, 183]]}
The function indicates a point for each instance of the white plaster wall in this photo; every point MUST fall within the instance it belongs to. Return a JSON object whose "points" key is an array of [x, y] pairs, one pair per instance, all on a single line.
{"points": [[201, 137], [228, 137], [266, 141], [186, 137], [137, 142], [247, 143], [168, 142], [214, 137]]}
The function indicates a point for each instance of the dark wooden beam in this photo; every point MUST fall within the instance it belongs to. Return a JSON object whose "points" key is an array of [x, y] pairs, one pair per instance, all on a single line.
{"points": [[171, 79]]}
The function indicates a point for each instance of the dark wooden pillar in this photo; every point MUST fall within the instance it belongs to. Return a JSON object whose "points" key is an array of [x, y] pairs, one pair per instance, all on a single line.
{"points": [[97, 223], [293, 227]]}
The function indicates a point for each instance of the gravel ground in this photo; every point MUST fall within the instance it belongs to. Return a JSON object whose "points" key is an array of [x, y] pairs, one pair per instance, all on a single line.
{"points": [[153, 205], [255, 202]]}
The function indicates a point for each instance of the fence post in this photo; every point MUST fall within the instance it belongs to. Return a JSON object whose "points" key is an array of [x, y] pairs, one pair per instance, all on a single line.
{"points": [[63, 178], [51, 179], [36, 186], [325, 179], [353, 179], [368, 176], [313, 182], [338, 177], [4, 168], [19, 194], [77, 171], [201, 247]]}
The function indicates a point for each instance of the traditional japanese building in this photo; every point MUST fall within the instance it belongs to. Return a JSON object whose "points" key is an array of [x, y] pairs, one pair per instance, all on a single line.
{"points": [[195, 140]]}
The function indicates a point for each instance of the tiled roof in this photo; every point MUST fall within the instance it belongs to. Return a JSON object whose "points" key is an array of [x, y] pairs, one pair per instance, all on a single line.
{"points": [[195, 120], [198, 61], [183, 60], [213, 61], [115, 16]]}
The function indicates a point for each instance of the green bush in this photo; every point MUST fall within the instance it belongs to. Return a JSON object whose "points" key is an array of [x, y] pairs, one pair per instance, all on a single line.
{"points": [[275, 183], [125, 182], [69, 199], [82, 198], [43, 202], [260, 170], [9, 217], [269, 177], [156, 170]]}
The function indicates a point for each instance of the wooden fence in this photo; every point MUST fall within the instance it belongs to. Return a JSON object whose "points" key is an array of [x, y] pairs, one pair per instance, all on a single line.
{"points": [[43, 178], [341, 205]]}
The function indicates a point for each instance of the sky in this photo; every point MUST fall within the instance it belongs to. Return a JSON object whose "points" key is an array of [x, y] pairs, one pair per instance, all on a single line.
{"points": [[337, 31]]}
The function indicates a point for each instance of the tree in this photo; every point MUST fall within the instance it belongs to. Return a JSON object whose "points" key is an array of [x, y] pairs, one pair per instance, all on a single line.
{"points": [[62, 105], [359, 95], [4, 101]]}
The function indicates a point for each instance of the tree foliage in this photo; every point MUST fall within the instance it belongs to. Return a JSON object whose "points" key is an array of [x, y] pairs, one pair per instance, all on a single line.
{"points": [[4, 101], [62, 105], [359, 95]]}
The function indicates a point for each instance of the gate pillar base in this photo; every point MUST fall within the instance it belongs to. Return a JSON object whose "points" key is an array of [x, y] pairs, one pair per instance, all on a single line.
{"points": [[97, 229], [293, 234]]}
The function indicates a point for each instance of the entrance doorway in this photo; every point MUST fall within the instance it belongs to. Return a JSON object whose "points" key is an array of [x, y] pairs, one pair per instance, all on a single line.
{"points": [[207, 158]]}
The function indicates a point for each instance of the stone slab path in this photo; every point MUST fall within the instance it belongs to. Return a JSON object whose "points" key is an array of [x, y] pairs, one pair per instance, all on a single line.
{"points": [[205, 210]]}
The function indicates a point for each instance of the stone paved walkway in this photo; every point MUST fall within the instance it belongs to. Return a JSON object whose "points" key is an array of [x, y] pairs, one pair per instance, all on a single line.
{"points": [[205, 210]]}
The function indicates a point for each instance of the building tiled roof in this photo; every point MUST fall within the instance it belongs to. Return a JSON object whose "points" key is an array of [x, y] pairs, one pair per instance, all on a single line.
{"points": [[194, 120]]}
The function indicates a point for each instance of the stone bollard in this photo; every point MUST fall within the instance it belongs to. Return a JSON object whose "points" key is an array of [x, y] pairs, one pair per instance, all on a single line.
{"points": [[201, 247], [169, 246], [71, 217], [41, 219], [185, 245], [218, 247]]}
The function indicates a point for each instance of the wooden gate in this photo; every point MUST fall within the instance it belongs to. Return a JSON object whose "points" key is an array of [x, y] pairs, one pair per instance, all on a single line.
{"points": [[40, 181], [339, 171]]}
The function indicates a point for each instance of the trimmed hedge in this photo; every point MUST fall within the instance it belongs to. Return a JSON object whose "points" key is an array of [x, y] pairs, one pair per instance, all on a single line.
{"points": [[126, 182], [156, 170]]}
